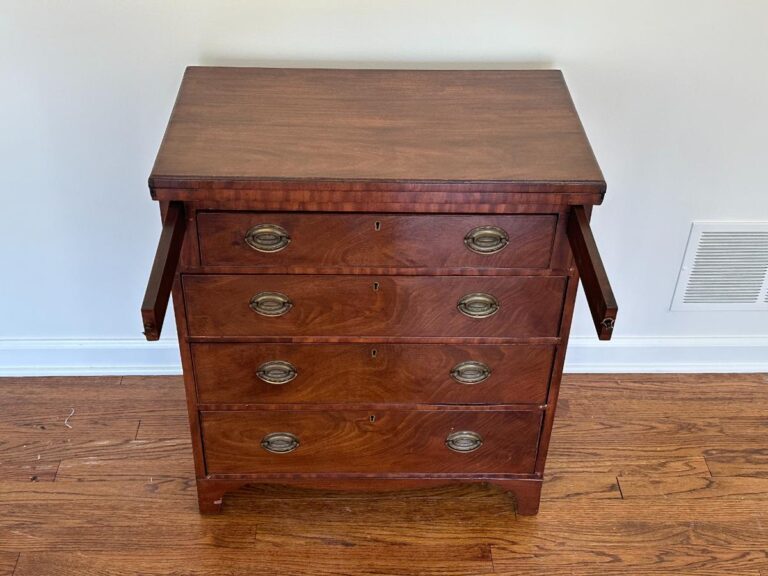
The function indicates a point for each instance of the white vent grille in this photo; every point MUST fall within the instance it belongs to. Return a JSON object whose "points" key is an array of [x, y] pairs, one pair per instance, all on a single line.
{"points": [[725, 267]]}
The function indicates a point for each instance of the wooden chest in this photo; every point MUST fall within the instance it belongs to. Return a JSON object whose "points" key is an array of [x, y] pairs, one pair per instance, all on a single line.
{"points": [[374, 273]]}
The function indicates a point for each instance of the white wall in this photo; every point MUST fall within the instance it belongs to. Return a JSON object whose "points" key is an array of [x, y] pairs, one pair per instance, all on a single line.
{"points": [[672, 93]]}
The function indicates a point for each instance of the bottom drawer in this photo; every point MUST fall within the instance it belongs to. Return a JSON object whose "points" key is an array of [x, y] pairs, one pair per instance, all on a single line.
{"points": [[357, 441]]}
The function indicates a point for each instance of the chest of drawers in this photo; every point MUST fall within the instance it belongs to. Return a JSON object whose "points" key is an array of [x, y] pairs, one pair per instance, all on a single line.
{"points": [[374, 273]]}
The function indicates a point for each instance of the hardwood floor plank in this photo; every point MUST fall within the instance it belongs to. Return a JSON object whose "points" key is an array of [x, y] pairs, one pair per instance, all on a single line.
{"points": [[725, 380], [51, 389], [92, 397], [482, 518], [738, 462], [321, 558], [142, 460], [8, 562], [594, 460], [649, 385], [724, 488], [26, 469], [33, 450], [747, 426], [589, 485], [638, 536], [643, 439], [628, 453], [645, 409], [683, 521], [106, 516], [677, 560], [654, 396], [62, 449], [51, 426], [135, 516], [165, 426]]}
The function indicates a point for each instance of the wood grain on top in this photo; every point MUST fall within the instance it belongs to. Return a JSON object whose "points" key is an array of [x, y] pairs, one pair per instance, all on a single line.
{"points": [[514, 131]]}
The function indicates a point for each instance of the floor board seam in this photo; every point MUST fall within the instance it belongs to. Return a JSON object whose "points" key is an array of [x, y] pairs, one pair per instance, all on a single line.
{"points": [[706, 463], [493, 563]]}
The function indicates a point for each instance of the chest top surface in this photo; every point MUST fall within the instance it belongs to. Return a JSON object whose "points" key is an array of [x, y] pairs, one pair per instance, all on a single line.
{"points": [[269, 127]]}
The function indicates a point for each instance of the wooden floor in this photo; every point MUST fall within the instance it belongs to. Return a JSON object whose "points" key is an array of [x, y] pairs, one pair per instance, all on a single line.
{"points": [[647, 475]]}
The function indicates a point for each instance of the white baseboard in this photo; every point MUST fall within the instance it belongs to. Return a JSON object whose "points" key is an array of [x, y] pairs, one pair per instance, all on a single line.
{"points": [[134, 356], [89, 357], [631, 354]]}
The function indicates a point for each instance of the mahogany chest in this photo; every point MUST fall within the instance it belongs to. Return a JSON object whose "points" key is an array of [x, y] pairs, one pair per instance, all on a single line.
{"points": [[374, 273]]}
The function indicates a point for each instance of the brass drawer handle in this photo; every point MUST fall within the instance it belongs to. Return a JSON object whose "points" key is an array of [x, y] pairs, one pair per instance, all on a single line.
{"points": [[478, 305], [464, 441], [486, 239], [470, 372], [271, 304], [280, 442], [267, 238], [277, 372]]}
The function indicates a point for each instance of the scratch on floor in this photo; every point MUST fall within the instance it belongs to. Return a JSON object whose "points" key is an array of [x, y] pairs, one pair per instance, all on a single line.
{"points": [[20, 533], [66, 420]]}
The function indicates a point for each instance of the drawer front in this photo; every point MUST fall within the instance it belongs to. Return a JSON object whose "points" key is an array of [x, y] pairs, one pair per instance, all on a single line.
{"points": [[379, 373], [379, 306], [356, 441], [375, 240]]}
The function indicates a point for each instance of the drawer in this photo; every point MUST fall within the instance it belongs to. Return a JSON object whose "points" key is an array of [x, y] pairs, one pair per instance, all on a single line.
{"points": [[379, 373], [378, 306], [256, 239], [356, 441]]}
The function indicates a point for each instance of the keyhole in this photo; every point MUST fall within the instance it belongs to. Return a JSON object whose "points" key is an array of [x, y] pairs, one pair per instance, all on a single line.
{"points": [[372, 418], [375, 286], [374, 352], [377, 225]]}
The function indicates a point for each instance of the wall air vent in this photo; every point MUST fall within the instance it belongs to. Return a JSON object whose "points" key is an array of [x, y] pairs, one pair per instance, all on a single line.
{"points": [[725, 267]]}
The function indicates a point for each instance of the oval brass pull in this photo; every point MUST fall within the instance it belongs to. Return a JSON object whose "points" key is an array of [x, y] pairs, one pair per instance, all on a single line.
{"points": [[470, 372], [486, 239], [271, 304], [277, 372], [478, 305], [267, 238], [464, 441], [280, 442]]}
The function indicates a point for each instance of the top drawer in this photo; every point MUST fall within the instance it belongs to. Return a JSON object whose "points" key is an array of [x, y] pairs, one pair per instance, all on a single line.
{"points": [[261, 239]]}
